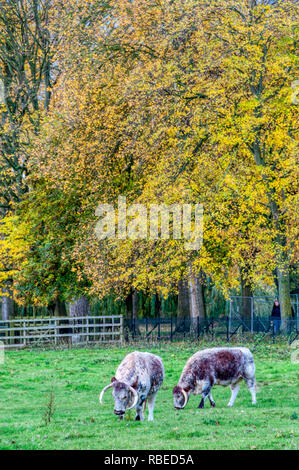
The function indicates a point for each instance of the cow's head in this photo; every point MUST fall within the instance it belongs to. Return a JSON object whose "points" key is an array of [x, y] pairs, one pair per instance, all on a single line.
{"points": [[180, 397], [125, 396]]}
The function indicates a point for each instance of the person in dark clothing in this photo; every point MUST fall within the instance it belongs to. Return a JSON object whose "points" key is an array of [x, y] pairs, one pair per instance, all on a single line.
{"points": [[275, 316], [276, 309]]}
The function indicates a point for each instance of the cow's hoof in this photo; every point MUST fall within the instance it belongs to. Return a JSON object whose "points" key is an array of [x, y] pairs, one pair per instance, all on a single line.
{"points": [[213, 404], [137, 418], [229, 405]]}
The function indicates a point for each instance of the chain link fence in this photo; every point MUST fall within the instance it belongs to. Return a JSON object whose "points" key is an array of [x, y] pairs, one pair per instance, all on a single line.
{"points": [[256, 311]]}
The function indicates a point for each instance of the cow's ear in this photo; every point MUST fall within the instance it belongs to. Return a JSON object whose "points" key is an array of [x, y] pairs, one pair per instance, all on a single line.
{"points": [[135, 384], [113, 379]]}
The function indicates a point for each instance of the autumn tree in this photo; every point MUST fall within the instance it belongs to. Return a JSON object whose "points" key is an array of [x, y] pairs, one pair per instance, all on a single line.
{"points": [[27, 75], [249, 77], [177, 102], [33, 56]]}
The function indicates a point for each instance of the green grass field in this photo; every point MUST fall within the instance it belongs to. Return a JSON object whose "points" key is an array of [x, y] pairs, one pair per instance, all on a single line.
{"points": [[76, 377]]}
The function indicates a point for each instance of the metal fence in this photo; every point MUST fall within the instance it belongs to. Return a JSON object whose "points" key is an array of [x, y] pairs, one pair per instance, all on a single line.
{"points": [[72, 330], [258, 309], [226, 327], [20, 333]]}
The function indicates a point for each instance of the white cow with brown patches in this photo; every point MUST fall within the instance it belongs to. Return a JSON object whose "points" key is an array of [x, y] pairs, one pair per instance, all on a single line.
{"points": [[138, 378], [215, 366]]}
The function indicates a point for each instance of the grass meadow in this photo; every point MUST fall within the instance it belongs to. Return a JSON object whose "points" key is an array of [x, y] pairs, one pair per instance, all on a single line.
{"points": [[49, 400]]}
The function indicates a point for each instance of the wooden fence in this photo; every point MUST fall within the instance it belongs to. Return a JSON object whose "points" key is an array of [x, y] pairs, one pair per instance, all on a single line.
{"points": [[20, 333]]}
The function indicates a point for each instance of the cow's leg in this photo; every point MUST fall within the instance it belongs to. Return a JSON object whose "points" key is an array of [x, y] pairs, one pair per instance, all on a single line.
{"points": [[252, 388], [206, 389], [151, 405], [211, 400], [235, 390], [249, 378], [139, 410]]}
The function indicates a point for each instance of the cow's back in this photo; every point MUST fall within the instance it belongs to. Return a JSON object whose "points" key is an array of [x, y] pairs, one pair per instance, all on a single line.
{"points": [[223, 365], [144, 368]]}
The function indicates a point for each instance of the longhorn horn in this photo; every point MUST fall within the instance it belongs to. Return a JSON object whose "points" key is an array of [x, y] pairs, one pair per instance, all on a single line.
{"points": [[186, 398], [103, 391], [135, 398]]}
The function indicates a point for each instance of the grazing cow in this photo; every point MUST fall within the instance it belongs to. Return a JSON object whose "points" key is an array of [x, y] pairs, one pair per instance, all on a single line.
{"points": [[138, 378], [215, 366]]}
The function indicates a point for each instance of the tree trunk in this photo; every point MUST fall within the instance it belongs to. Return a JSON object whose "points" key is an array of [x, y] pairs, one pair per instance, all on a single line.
{"points": [[132, 313], [79, 307], [135, 305], [135, 312], [283, 278], [201, 300], [193, 301], [129, 306], [7, 302], [183, 299], [246, 293], [157, 306], [196, 300], [60, 309]]}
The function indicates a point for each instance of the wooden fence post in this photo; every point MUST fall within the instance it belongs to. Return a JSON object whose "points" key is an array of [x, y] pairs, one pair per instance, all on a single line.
{"points": [[55, 331], [24, 333], [121, 330]]}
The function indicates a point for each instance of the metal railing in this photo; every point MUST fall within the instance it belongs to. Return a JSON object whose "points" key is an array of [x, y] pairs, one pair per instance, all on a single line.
{"points": [[226, 327], [73, 330]]}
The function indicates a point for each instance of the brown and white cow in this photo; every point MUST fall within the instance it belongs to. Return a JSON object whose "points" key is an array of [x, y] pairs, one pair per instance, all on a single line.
{"points": [[215, 366], [138, 378]]}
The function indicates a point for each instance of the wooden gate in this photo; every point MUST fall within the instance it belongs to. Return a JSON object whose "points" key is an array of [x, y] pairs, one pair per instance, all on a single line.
{"points": [[20, 333]]}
